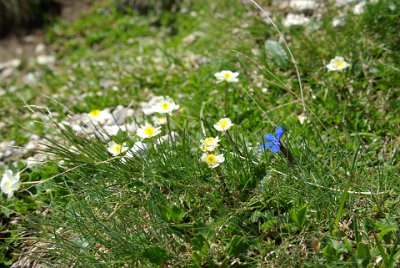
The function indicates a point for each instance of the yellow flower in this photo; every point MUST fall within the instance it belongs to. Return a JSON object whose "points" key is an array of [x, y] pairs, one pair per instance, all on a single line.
{"points": [[116, 148], [212, 160], [337, 64], [223, 125], [148, 131], [209, 144]]}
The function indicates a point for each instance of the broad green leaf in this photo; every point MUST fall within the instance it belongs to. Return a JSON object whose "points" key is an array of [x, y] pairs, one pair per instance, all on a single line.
{"points": [[299, 216], [237, 246], [156, 255], [278, 53]]}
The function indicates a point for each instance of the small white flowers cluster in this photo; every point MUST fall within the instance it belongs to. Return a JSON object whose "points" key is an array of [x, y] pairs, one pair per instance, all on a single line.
{"points": [[209, 144], [10, 183], [163, 105], [337, 64]]}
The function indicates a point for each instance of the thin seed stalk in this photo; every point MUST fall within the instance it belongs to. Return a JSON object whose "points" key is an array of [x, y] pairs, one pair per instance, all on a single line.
{"points": [[234, 144], [169, 128], [226, 102], [223, 187]]}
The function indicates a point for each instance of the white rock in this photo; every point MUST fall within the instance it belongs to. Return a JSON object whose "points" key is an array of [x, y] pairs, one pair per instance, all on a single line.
{"points": [[40, 48], [295, 19], [45, 59], [359, 8]]}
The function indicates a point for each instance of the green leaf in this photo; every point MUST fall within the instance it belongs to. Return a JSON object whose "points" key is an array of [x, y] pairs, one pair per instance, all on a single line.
{"points": [[299, 216], [237, 246], [362, 251], [176, 214], [330, 252], [385, 229], [197, 242], [156, 255], [278, 53], [196, 258]]}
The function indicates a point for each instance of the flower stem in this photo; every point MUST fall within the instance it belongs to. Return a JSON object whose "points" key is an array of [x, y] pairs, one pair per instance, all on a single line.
{"points": [[226, 102], [287, 154], [221, 177], [169, 128], [237, 149]]}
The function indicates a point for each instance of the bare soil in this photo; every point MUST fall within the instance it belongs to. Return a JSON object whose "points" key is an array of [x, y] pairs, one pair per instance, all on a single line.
{"points": [[21, 44]]}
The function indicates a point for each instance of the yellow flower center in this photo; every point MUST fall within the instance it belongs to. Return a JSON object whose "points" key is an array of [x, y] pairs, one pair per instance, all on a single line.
{"points": [[8, 185], [95, 113], [208, 141], [223, 124], [227, 75], [340, 63], [149, 131], [117, 148], [211, 159], [165, 105]]}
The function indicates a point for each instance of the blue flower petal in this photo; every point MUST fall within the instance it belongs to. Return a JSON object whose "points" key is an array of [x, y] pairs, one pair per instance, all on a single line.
{"points": [[275, 148], [266, 145], [269, 137], [279, 132]]}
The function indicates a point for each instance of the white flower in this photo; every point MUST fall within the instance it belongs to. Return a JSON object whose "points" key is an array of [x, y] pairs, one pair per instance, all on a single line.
{"points": [[212, 160], [295, 19], [223, 125], [159, 104], [148, 131], [227, 76], [116, 148], [337, 64], [100, 116], [158, 121], [302, 118], [10, 183], [209, 144], [165, 105]]}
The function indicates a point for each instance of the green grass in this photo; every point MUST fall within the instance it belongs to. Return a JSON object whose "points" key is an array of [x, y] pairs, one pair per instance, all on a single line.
{"points": [[334, 204]]}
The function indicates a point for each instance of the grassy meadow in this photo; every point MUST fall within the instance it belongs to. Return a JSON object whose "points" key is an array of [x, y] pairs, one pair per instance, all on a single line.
{"points": [[113, 173]]}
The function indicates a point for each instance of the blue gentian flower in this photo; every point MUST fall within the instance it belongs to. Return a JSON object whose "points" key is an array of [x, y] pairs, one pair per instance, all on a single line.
{"points": [[273, 143]]}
